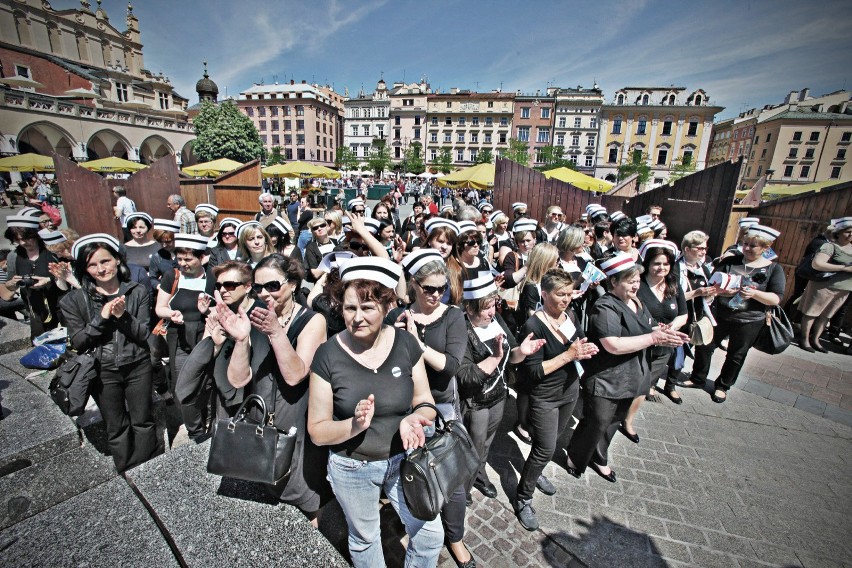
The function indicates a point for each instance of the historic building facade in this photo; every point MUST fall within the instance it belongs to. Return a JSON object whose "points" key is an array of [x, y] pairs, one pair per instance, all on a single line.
{"points": [[664, 126], [576, 124], [407, 117], [367, 118], [304, 120], [532, 123], [72, 83]]}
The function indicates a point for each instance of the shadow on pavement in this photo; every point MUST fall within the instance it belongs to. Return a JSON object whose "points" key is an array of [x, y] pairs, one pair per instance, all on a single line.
{"points": [[603, 543]]}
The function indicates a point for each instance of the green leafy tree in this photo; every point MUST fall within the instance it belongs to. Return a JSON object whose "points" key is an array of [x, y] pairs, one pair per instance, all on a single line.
{"points": [[443, 161], [518, 152], [275, 156], [222, 131], [486, 156], [413, 159], [637, 165], [379, 159], [554, 157], [346, 159], [682, 168]]}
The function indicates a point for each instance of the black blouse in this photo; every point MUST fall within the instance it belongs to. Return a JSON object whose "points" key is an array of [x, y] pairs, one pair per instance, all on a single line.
{"points": [[664, 311], [560, 386]]}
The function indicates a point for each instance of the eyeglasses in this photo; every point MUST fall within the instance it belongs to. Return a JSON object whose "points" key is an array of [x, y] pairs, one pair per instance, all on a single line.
{"points": [[471, 243], [319, 226], [556, 214], [272, 286], [229, 234], [432, 290], [699, 248], [228, 285], [358, 246], [360, 211]]}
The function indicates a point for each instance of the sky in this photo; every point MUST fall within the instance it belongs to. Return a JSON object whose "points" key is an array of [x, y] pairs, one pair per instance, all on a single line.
{"points": [[744, 54]]}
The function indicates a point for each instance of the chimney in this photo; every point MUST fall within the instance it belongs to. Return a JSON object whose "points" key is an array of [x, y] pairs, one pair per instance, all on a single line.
{"points": [[791, 97], [454, 90], [292, 82], [304, 82], [803, 94]]}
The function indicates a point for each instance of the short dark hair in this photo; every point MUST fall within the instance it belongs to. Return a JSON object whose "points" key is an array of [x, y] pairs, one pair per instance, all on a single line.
{"points": [[291, 268], [14, 234], [367, 291], [601, 228], [241, 267], [81, 264], [199, 254], [623, 227]]}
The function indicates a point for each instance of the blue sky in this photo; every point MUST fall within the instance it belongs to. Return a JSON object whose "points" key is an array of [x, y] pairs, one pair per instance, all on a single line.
{"points": [[742, 53]]}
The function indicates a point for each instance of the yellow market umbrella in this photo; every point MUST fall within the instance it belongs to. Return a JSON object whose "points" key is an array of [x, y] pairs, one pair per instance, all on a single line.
{"points": [[577, 179], [480, 176], [300, 170], [212, 169], [26, 163], [113, 164]]}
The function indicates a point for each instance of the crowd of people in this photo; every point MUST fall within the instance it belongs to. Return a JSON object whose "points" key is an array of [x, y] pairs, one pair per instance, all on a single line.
{"points": [[453, 305]]}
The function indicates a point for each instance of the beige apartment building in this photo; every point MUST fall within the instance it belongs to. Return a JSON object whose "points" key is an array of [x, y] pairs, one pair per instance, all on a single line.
{"points": [[407, 117], [467, 123], [304, 120], [576, 124], [367, 118], [664, 126]]}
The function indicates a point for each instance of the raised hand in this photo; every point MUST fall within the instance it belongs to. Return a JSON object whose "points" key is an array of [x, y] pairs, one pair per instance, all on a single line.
{"points": [[265, 320], [411, 430], [529, 345], [237, 325], [204, 302], [364, 411]]}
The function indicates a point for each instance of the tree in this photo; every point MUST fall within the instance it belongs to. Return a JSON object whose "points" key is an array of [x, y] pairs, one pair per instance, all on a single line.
{"points": [[222, 131], [518, 152], [637, 165], [379, 159], [413, 159], [346, 159], [486, 156], [275, 156], [444, 161], [681, 168], [554, 157]]}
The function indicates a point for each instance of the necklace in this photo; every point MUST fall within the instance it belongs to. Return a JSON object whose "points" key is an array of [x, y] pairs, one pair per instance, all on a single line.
{"points": [[289, 318], [360, 360], [550, 321]]}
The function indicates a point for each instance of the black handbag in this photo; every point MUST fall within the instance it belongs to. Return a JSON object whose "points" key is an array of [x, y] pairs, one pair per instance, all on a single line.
{"points": [[430, 474], [69, 388], [777, 335], [248, 450]]}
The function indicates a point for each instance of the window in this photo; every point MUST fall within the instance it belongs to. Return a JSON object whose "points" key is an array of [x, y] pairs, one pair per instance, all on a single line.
{"points": [[814, 136], [273, 111], [667, 128], [300, 139], [164, 101], [460, 137], [433, 137], [846, 137], [288, 153], [545, 113], [768, 137], [287, 124], [797, 136], [300, 153], [590, 161], [460, 155], [841, 154], [524, 133], [434, 121], [489, 121], [736, 134], [300, 110], [645, 99], [275, 125], [448, 121], [433, 154], [397, 152], [560, 139], [121, 92], [759, 170], [474, 137], [261, 125], [805, 171], [539, 155], [662, 156], [408, 102], [687, 157], [573, 159], [317, 126], [619, 100], [525, 112], [473, 154], [757, 139], [448, 136], [461, 121], [366, 129], [809, 154], [249, 111], [562, 122], [264, 139], [593, 123], [381, 129], [763, 154], [288, 139], [616, 126], [642, 126], [417, 134], [318, 140], [417, 120], [300, 125], [490, 104], [788, 171], [276, 139], [578, 122], [286, 110], [488, 138], [835, 172], [261, 111], [575, 140], [504, 121], [590, 141], [693, 128], [613, 156], [502, 138], [396, 120], [793, 152], [543, 135]]}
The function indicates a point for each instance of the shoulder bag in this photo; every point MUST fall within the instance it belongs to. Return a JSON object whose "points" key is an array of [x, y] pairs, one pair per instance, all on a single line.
{"points": [[251, 451], [806, 270], [777, 335], [69, 387], [163, 325], [430, 474], [700, 330], [510, 296]]}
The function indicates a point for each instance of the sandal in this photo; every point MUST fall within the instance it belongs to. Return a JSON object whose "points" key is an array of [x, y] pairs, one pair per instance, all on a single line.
{"points": [[719, 399], [671, 394]]}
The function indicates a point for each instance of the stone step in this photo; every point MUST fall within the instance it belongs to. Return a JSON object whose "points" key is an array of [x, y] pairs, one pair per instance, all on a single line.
{"points": [[14, 336]]}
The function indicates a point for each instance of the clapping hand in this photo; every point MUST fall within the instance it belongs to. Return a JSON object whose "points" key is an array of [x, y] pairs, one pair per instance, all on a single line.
{"points": [[118, 306], [582, 349], [237, 325], [364, 411], [265, 319], [204, 302], [667, 337], [530, 345]]}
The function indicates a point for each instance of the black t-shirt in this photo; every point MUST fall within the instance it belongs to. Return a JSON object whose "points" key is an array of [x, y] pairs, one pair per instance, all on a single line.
{"points": [[665, 311], [391, 384], [186, 301], [769, 278], [306, 216], [561, 385]]}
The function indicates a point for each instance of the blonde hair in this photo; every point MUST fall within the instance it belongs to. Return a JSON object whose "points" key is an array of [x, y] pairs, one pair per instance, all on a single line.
{"points": [[248, 233], [543, 257]]}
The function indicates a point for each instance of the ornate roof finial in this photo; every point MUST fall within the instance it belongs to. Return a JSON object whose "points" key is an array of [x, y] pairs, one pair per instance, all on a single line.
{"points": [[129, 8], [85, 5], [206, 76]]}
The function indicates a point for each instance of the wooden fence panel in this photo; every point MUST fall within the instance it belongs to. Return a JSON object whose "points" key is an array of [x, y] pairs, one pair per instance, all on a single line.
{"points": [[150, 188], [86, 199], [236, 192]]}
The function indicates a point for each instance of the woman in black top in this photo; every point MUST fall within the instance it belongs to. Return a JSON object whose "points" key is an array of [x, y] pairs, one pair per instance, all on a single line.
{"points": [[551, 375], [109, 315], [623, 329], [141, 246]]}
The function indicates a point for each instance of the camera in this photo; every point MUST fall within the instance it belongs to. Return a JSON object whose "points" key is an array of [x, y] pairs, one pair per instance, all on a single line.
{"points": [[26, 282]]}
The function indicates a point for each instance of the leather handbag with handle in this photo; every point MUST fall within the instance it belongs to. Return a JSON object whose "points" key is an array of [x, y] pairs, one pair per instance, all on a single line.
{"points": [[431, 473], [251, 451], [777, 335]]}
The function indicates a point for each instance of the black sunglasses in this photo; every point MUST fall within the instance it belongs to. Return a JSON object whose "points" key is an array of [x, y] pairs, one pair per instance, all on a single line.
{"points": [[358, 246], [272, 286], [430, 290], [319, 226], [471, 243], [229, 234], [228, 285]]}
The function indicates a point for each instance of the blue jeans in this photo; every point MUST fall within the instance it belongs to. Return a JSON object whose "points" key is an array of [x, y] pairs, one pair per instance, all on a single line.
{"points": [[358, 485], [304, 239]]}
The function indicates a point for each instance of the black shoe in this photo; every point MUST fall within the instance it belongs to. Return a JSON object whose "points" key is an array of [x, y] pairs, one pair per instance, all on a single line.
{"points": [[718, 399], [670, 392], [652, 398], [486, 489], [545, 486], [596, 468], [632, 437], [692, 384], [469, 564], [572, 471], [469, 500], [527, 439], [820, 348], [807, 348], [526, 514]]}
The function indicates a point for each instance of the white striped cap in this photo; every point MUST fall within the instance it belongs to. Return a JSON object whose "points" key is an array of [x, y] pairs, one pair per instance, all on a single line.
{"points": [[748, 221], [518, 205], [494, 215], [764, 232], [333, 259], [436, 222], [280, 224], [102, 238], [656, 225], [484, 204], [52, 237], [842, 223], [194, 242], [643, 228], [22, 221], [232, 221], [644, 219], [617, 215], [139, 215], [167, 225], [413, 262], [466, 226], [246, 225], [479, 287], [447, 207], [657, 243], [525, 225], [212, 209], [591, 208], [584, 216], [30, 212], [381, 270], [372, 225], [618, 263], [356, 202]]}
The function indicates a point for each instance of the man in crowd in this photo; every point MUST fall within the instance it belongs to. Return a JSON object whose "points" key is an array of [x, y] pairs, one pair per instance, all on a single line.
{"points": [[124, 206], [183, 216], [268, 212]]}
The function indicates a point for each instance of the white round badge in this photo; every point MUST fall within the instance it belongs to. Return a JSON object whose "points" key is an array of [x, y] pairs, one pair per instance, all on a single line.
{"points": [[396, 372]]}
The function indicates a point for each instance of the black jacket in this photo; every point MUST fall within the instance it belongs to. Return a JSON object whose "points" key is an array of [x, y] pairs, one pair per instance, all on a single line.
{"points": [[129, 333], [472, 381]]}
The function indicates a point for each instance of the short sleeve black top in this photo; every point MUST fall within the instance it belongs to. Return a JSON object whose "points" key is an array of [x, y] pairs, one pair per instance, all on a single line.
{"points": [[391, 384], [664, 311], [186, 301], [768, 278], [560, 386]]}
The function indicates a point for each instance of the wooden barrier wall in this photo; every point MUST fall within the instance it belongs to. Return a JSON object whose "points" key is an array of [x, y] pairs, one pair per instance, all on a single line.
{"points": [[235, 193], [800, 218], [150, 188]]}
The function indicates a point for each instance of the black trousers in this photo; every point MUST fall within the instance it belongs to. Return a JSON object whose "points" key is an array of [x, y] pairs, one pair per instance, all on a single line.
{"points": [[482, 425], [546, 425], [124, 398], [195, 414], [601, 417], [741, 336]]}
